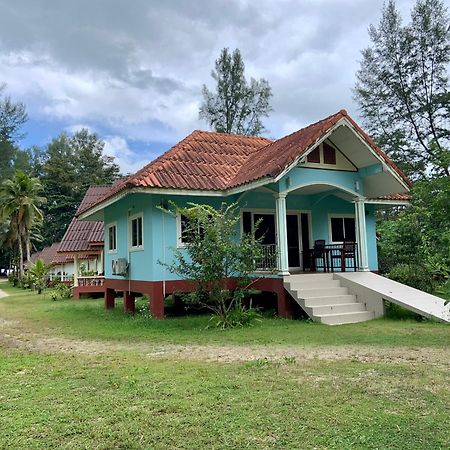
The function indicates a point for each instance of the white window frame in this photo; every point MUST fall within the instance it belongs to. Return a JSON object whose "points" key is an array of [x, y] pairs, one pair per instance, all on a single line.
{"points": [[110, 225], [130, 232], [339, 216], [180, 243]]}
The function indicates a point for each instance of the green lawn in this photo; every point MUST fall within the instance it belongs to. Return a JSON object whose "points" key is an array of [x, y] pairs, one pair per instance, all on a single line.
{"points": [[88, 319], [128, 400]]}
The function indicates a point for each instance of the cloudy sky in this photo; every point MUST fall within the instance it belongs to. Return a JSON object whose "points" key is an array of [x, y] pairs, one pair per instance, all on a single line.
{"points": [[132, 70]]}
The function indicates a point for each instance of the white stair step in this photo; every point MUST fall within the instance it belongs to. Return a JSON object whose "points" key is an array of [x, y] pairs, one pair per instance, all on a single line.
{"points": [[329, 300], [310, 276], [312, 284], [351, 317], [321, 292], [338, 308]]}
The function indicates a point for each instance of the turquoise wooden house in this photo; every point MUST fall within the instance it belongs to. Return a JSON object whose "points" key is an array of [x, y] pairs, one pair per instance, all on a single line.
{"points": [[315, 193]]}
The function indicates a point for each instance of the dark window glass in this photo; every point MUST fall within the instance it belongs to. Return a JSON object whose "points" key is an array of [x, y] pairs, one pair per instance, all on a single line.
{"points": [[293, 240], [247, 222], [112, 238], [314, 156], [266, 228], [337, 229], [349, 229], [136, 232], [305, 240], [343, 228], [329, 154], [188, 233]]}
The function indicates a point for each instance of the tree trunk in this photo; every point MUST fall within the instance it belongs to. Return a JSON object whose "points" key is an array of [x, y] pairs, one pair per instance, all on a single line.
{"points": [[28, 246], [20, 256]]}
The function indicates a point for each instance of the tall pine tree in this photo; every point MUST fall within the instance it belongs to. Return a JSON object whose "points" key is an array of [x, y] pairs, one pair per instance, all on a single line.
{"points": [[402, 87], [237, 106]]}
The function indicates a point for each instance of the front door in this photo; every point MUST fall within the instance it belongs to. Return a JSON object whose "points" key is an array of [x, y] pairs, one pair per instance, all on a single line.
{"points": [[298, 240], [293, 241]]}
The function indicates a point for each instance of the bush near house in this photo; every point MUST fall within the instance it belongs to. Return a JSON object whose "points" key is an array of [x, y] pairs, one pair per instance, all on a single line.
{"points": [[212, 257], [414, 247]]}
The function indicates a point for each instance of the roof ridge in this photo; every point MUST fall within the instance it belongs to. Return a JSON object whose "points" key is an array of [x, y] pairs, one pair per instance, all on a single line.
{"points": [[245, 136]]}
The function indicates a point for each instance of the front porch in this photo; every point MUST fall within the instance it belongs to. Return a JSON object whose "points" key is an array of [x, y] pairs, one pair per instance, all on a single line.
{"points": [[315, 228]]}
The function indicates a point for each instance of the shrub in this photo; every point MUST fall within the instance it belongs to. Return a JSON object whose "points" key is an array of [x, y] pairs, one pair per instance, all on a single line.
{"points": [[212, 257], [13, 279], [416, 276], [238, 316], [61, 291]]}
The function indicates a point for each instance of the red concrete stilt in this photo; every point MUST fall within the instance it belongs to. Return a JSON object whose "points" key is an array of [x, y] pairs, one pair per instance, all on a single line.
{"points": [[128, 302], [110, 297], [284, 304], [156, 305]]}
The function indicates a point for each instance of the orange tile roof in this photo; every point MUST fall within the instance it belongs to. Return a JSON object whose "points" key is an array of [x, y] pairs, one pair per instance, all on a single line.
{"points": [[50, 255], [81, 234], [395, 197], [213, 161]]}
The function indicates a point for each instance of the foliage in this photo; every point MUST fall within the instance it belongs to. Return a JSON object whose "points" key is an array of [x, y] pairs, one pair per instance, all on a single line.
{"points": [[38, 272], [13, 278], [419, 237], [20, 202], [402, 86], [60, 292], [418, 277], [213, 257], [238, 316], [12, 118], [84, 272], [69, 166], [398, 365], [237, 106]]}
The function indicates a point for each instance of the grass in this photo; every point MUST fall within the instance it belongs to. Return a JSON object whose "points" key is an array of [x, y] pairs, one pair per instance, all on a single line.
{"points": [[88, 319], [127, 400]]}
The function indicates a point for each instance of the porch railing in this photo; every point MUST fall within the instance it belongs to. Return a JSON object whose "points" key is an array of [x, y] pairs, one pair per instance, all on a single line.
{"points": [[268, 259], [91, 281]]}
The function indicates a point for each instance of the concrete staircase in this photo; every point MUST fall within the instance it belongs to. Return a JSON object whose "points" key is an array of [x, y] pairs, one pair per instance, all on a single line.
{"points": [[323, 298]]}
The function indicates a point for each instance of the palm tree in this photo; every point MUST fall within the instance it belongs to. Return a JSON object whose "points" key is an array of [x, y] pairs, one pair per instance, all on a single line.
{"points": [[20, 201]]}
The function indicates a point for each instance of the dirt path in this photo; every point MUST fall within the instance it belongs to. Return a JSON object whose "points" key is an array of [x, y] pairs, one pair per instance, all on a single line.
{"points": [[13, 334], [3, 294]]}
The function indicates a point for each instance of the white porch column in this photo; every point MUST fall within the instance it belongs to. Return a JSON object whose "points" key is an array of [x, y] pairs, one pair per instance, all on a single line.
{"points": [[101, 264], [75, 271], [282, 245], [62, 272], [360, 215]]}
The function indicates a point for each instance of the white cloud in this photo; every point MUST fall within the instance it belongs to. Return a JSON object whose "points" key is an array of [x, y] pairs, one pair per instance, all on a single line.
{"points": [[135, 69]]}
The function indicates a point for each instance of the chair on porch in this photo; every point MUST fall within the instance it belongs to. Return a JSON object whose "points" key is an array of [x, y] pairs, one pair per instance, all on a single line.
{"points": [[348, 251], [318, 253]]}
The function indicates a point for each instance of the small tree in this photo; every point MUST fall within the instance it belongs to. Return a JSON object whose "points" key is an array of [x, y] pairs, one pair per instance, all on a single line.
{"points": [[237, 106], [214, 258], [38, 273]]}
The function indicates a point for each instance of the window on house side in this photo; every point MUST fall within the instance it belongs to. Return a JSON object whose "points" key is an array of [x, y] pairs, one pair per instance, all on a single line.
{"points": [[314, 156], [343, 228], [136, 232], [112, 238], [186, 232], [329, 154]]}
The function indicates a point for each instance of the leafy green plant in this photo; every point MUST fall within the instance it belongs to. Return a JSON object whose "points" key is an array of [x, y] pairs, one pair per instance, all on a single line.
{"points": [[60, 292], [13, 278], [418, 277], [238, 316], [215, 261], [38, 272]]}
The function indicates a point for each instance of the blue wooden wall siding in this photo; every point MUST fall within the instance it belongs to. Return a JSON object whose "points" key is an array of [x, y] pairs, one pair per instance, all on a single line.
{"points": [[160, 228]]}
